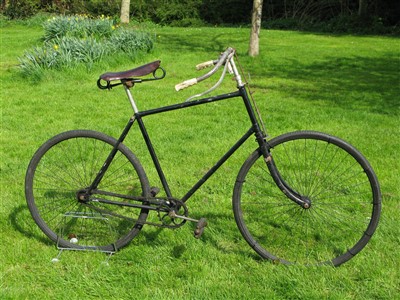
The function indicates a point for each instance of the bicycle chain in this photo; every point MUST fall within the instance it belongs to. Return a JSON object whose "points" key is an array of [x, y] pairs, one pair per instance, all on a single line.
{"points": [[177, 205]]}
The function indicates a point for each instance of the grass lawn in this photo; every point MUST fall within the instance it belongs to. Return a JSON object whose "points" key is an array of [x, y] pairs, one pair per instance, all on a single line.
{"points": [[343, 85]]}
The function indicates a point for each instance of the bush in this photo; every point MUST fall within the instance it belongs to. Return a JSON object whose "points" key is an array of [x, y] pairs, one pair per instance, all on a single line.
{"points": [[71, 40], [130, 42], [176, 11], [65, 52], [339, 24], [22, 9], [354, 24], [79, 26]]}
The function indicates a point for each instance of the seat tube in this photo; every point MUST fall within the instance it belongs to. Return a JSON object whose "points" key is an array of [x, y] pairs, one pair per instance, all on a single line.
{"points": [[154, 157]]}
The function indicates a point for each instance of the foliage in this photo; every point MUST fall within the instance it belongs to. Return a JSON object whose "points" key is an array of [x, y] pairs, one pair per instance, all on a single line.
{"points": [[381, 16], [354, 23], [227, 11], [60, 53], [101, 7], [338, 24], [21, 9], [130, 42], [70, 40], [78, 26], [168, 11]]}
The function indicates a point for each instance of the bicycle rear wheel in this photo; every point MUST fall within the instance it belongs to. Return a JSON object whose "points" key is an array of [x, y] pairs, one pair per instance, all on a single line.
{"points": [[67, 164], [341, 185]]}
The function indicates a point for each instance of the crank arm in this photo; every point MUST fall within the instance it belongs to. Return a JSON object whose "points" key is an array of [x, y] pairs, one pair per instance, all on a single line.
{"points": [[172, 214]]}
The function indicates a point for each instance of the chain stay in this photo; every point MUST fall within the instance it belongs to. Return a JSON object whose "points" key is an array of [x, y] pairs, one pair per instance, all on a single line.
{"points": [[165, 207]]}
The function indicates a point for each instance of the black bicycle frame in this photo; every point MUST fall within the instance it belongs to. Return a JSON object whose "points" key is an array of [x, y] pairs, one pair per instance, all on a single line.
{"points": [[254, 129]]}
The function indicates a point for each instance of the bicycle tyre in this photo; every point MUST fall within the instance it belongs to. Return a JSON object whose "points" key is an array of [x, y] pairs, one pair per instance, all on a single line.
{"points": [[344, 193], [68, 163]]}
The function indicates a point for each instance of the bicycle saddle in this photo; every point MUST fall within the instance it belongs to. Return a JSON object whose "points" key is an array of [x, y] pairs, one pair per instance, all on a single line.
{"points": [[137, 72]]}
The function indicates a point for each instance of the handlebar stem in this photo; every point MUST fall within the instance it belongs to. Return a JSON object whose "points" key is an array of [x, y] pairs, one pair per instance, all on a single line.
{"points": [[238, 78]]}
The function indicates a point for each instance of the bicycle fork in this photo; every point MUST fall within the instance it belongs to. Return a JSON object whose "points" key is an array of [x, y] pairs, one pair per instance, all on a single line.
{"points": [[303, 201]]}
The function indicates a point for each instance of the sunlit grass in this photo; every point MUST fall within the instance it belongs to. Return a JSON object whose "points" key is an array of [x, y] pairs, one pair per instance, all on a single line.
{"points": [[343, 85]]}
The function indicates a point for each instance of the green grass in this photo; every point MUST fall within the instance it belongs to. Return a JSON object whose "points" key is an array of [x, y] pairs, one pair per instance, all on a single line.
{"points": [[344, 85]]}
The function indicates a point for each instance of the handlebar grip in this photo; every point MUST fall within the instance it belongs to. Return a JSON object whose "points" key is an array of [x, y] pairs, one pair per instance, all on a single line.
{"points": [[185, 84], [204, 65]]}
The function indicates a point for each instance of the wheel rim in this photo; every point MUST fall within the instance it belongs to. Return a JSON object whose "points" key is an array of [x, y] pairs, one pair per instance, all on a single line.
{"points": [[344, 202], [60, 178]]}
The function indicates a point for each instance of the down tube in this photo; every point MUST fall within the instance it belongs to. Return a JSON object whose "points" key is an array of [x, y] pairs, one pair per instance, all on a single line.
{"points": [[218, 164]]}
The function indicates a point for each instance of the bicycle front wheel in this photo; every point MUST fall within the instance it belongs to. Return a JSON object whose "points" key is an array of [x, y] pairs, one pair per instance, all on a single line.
{"points": [[66, 165], [338, 181]]}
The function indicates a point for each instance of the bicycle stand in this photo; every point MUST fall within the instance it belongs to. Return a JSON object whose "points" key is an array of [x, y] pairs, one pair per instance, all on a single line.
{"points": [[87, 221]]}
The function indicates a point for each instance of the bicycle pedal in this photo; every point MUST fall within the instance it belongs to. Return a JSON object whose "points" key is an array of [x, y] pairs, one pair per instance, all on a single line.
{"points": [[154, 191], [201, 224]]}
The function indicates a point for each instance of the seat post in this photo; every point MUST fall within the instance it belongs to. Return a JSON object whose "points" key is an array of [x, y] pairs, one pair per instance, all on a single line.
{"points": [[130, 97]]}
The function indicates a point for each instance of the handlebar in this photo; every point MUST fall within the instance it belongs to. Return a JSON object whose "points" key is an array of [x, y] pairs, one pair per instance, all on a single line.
{"points": [[217, 64], [206, 64]]}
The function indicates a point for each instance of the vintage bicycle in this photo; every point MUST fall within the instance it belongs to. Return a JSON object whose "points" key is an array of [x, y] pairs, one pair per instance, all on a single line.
{"points": [[303, 197]]}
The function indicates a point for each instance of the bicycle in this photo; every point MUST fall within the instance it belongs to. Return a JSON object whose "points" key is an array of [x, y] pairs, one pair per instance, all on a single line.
{"points": [[303, 197]]}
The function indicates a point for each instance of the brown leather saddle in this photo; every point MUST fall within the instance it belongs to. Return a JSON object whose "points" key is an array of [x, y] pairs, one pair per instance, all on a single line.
{"points": [[134, 73], [130, 77]]}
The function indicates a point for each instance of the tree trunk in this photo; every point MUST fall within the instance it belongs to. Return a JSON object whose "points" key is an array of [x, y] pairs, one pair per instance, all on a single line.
{"points": [[125, 11], [4, 4], [362, 8], [255, 27]]}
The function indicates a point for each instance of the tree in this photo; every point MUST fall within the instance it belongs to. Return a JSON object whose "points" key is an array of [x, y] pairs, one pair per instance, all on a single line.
{"points": [[3, 4], [125, 11], [255, 27], [362, 8]]}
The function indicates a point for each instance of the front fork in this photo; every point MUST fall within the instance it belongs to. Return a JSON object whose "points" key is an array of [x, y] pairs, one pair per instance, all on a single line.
{"points": [[303, 201]]}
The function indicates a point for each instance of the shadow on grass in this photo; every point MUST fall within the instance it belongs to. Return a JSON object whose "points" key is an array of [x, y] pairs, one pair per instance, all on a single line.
{"points": [[21, 220], [356, 83], [202, 40], [217, 235]]}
